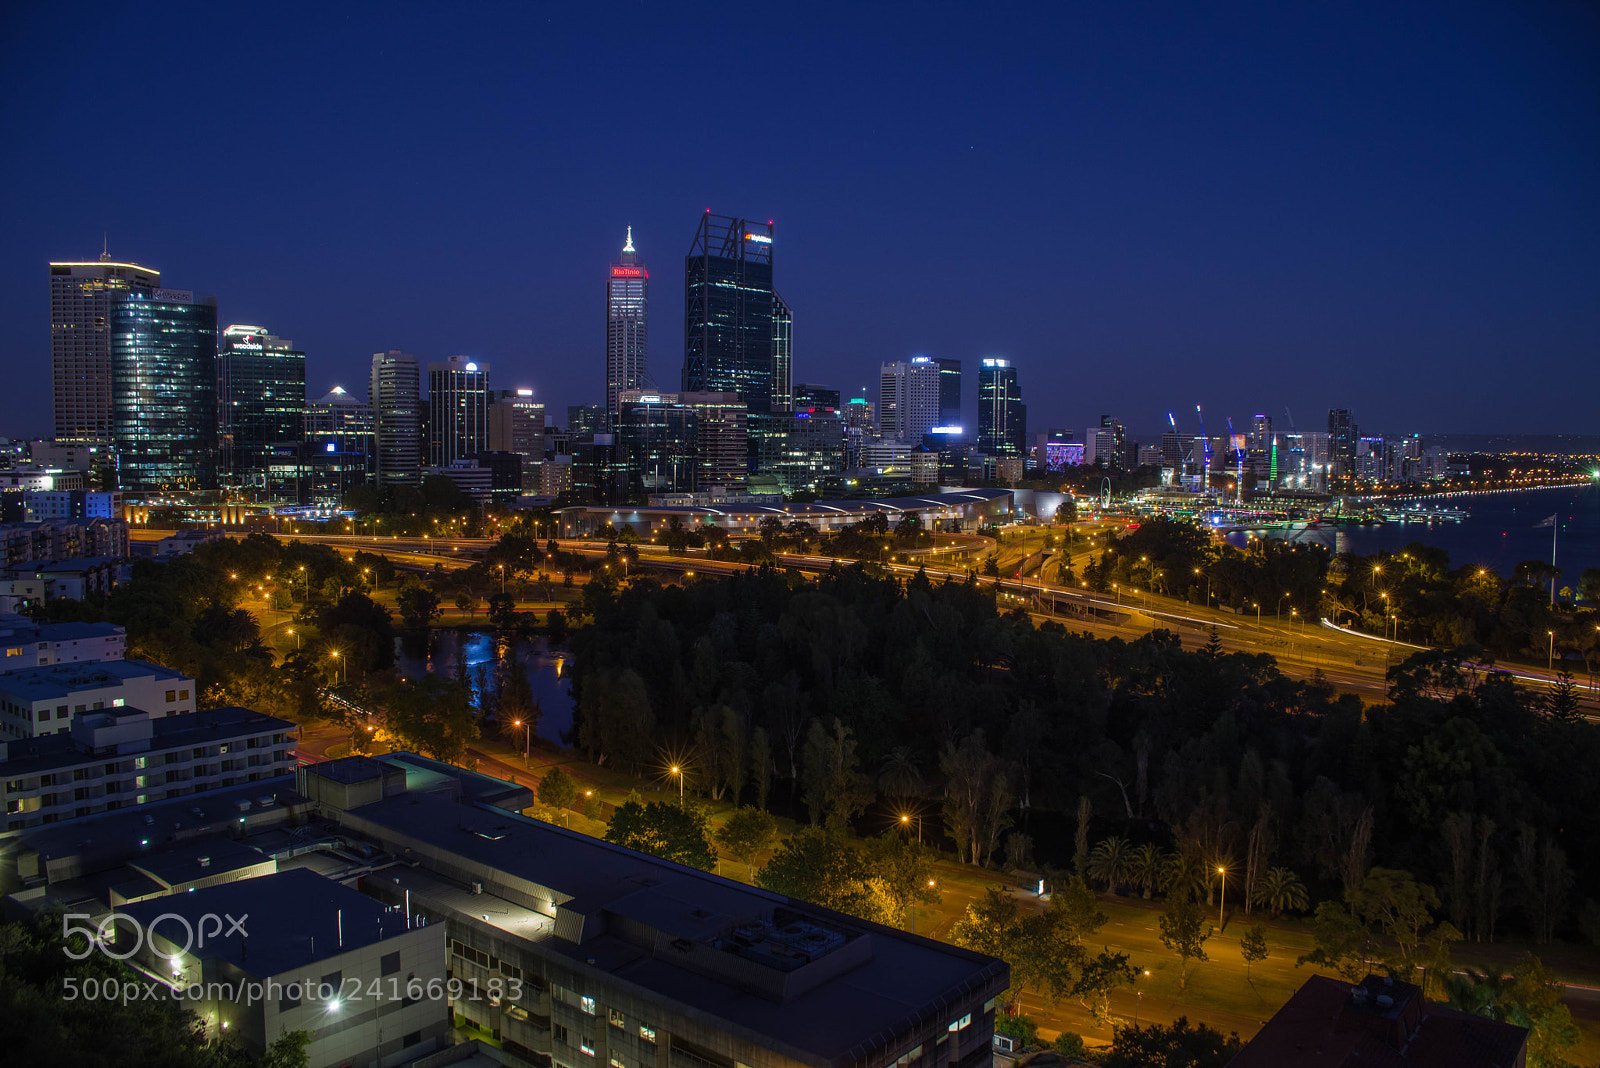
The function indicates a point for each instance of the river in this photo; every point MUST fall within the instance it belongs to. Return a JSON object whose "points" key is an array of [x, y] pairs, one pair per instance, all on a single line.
{"points": [[1500, 531], [545, 668]]}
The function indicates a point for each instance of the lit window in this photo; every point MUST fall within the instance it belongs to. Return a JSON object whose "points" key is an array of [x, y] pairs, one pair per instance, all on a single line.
{"points": [[647, 1033], [586, 1047], [961, 1024], [587, 1004]]}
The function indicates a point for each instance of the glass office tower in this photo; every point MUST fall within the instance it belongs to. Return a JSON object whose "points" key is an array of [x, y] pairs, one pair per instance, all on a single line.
{"points": [[394, 393], [627, 327], [782, 355], [949, 391], [164, 391], [458, 410], [729, 311], [1001, 413], [81, 298], [261, 405]]}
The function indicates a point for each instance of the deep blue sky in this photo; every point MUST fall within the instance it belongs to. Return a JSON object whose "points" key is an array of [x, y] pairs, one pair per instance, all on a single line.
{"points": [[1392, 206]]}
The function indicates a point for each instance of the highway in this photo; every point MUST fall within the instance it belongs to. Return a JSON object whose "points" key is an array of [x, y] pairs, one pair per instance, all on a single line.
{"points": [[1349, 661]]}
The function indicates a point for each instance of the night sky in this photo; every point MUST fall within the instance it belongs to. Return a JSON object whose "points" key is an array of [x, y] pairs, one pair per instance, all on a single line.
{"points": [[1391, 207]]}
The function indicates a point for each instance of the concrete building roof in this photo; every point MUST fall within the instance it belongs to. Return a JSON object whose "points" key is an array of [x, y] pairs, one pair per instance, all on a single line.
{"points": [[60, 680], [1378, 1023], [873, 981], [23, 631], [33, 756], [293, 919]]}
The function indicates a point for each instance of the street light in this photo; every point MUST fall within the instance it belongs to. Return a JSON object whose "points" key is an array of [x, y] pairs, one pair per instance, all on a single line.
{"points": [[308, 582], [1222, 905], [296, 638], [1551, 666], [340, 663], [527, 740], [679, 773], [1208, 587], [905, 821]]}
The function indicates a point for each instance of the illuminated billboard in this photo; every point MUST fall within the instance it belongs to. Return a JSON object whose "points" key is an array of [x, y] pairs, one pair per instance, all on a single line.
{"points": [[1061, 454]]}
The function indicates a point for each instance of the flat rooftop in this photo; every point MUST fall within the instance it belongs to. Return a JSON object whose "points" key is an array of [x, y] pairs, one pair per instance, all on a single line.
{"points": [[292, 920], [62, 680], [894, 978], [34, 756]]}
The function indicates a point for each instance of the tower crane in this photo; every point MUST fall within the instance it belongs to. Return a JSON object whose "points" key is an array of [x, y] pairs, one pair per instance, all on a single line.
{"points": [[1205, 445]]}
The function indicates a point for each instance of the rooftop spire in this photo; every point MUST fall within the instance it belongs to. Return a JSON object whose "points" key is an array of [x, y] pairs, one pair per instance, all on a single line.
{"points": [[105, 247], [629, 246]]}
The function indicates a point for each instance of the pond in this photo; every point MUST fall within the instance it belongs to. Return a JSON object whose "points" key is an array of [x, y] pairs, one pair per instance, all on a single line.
{"points": [[545, 668]]}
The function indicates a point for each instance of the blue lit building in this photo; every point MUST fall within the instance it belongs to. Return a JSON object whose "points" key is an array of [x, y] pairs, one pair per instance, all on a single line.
{"points": [[164, 391], [1002, 416], [731, 314]]}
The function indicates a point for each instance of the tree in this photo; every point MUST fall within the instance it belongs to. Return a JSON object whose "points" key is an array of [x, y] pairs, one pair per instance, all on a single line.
{"points": [[1098, 977], [1185, 933], [673, 832], [1278, 889], [502, 609], [557, 791], [748, 832], [831, 777], [1180, 1043], [434, 717], [419, 605], [1528, 998], [1562, 700], [1144, 868], [1253, 947], [1109, 862], [823, 866], [1342, 942], [901, 870], [467, 601]]}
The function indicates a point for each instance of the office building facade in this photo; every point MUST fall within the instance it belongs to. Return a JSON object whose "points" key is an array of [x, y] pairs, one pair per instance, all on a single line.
{"points": [[627, 326], [1342, 439], [721, 439], [516, 425], [657, 443], [458, 410], [261, 406], [164, 391], [782, 355], [729, 311], [1002, 417], [395, 395], [949, 391], [81, 298], [908, 399]]}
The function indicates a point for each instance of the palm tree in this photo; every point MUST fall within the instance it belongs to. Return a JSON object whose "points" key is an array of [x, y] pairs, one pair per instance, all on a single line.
{"points": [[900, 777], [1109, 862], [1184, 875], [1144, 867], [1279, 889]]}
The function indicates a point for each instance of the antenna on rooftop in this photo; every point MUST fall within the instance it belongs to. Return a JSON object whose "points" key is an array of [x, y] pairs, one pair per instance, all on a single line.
{"points": [[105, 247]]}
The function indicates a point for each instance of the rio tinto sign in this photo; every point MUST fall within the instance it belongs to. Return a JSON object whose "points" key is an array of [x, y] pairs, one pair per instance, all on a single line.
{"points": [[628, 272]]}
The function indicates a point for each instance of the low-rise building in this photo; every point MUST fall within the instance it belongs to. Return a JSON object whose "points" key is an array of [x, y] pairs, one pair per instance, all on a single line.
{"points": [[365, 982], [1329, 1023], [25, 644], [116, 757], [72, 579], [45, 700]]}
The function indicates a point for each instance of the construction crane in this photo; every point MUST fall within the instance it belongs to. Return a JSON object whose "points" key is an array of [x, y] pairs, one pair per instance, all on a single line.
{"points": [[1177, 448], [1238, 461], [1205, 445]]}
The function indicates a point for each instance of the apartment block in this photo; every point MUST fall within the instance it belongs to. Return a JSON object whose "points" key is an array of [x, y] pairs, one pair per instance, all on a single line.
{"points": [[45, 700]]}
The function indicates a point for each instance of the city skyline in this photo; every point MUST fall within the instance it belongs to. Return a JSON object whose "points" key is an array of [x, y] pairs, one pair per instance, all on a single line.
{"points": [[1247, 230]]}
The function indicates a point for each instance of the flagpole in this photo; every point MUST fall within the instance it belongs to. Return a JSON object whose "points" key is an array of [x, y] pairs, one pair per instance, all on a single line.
{"points": [[1555, 528]]}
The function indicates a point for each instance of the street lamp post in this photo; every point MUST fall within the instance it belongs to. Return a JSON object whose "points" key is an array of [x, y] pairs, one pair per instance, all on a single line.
{"points": [[679, 773], [308, 583], [1208, 586], [1285, 597], [1551, 664], [1222, 905], [527, 740], [905, 820], [340, 664], [914, 909]]}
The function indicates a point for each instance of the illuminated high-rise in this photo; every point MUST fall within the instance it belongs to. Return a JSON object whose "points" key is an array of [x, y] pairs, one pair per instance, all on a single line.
{"points": [[261, 403], [81, 296], [909, 398], [730, 311], [782, 355], [395, 394], [164, 390], [1001, 413], [458, 410], [627, 327]]}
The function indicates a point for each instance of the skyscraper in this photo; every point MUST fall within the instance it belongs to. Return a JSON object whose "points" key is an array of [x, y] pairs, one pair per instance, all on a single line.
{"points": [[261, 402], [1342, 438], [1001, 414], [908, 398], [627, 327], [164, 390], [81, 296], [394, 395], [782, 355], [516, 425], [949, 391], [458, 410], [729, 311], [339, 447]]}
